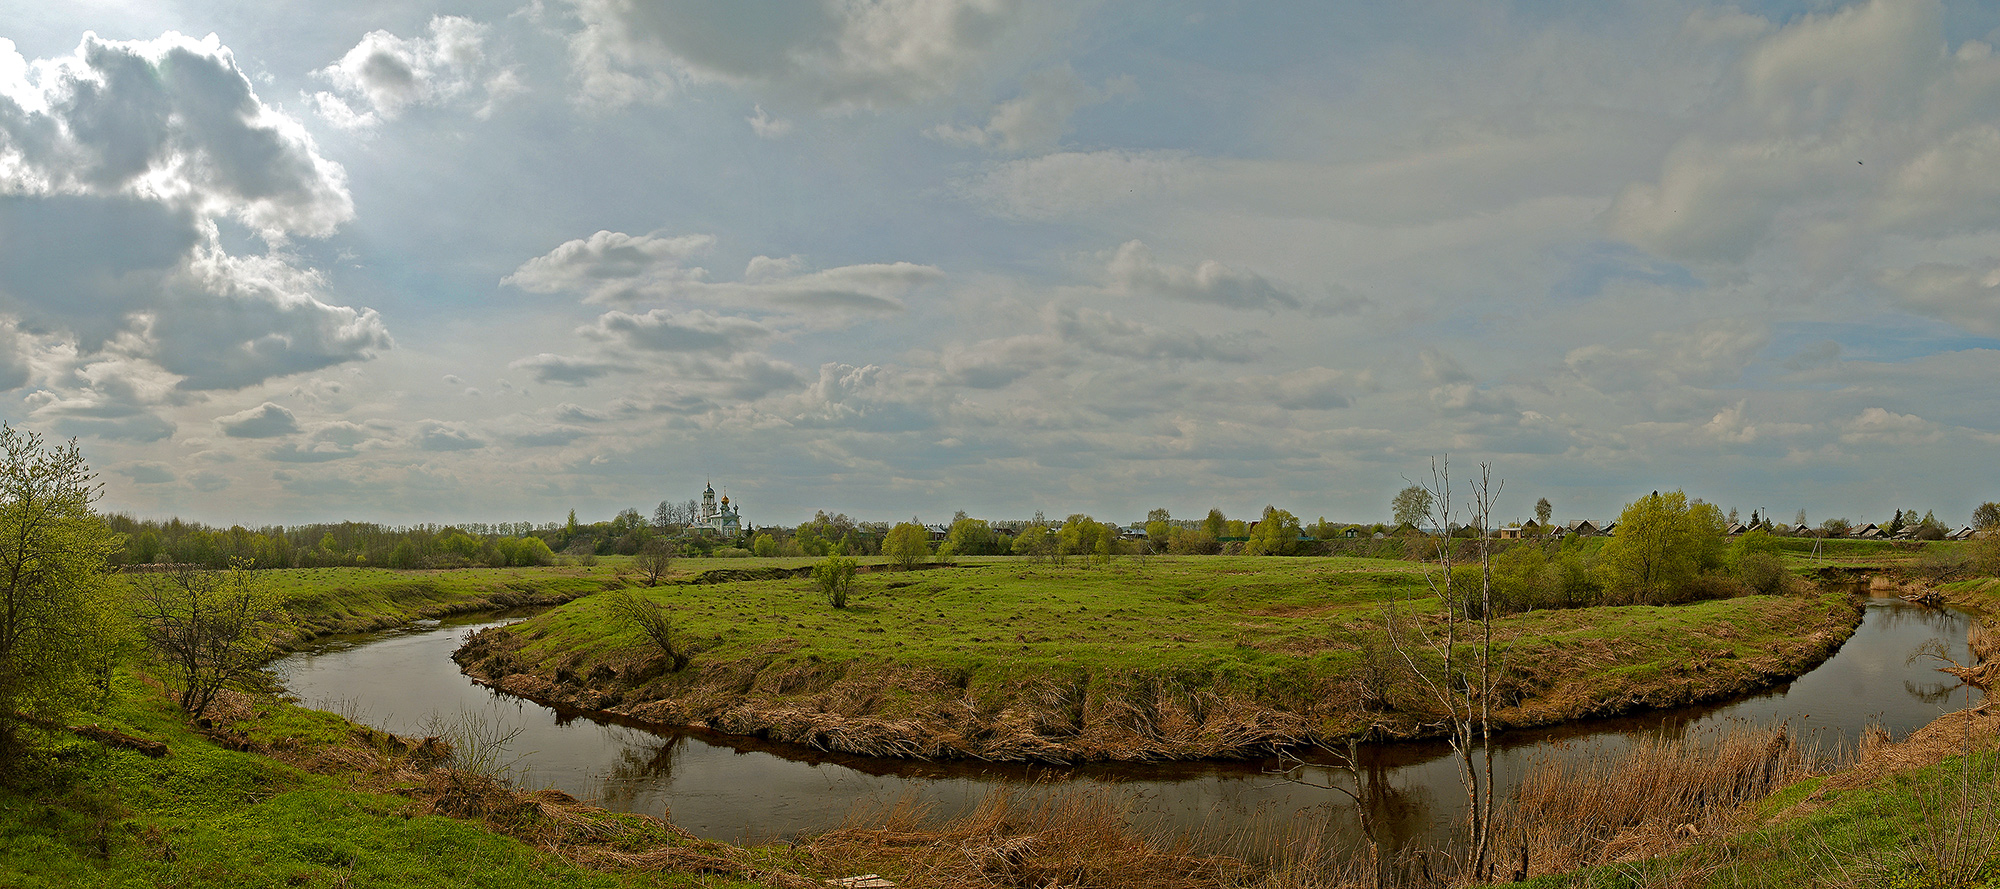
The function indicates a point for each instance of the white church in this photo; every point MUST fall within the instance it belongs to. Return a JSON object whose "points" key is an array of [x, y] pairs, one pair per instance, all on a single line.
{"points": [[723, 520]]}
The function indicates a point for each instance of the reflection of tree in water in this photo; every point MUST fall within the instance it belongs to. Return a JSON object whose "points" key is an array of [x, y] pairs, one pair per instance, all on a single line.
{"points": [[1930, 692], [645, 762]]}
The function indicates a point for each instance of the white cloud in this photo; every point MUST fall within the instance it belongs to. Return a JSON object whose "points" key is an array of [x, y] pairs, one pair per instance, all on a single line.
{"points": [[1036, 119], [663, 331], [614, 267], [1843, 125], [766, 126], [263, 421], [1877, 426], [384, 75], [822, 53], [1967, 297], [434, 435], [123, 163], [1134, 272]]}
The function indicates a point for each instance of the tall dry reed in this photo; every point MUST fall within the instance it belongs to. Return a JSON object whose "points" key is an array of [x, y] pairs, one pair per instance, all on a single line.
{"points": [[1660, 794]]}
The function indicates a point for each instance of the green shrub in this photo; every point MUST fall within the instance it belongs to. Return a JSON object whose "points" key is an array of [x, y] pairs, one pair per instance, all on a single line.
{"points": [[835, 578]]}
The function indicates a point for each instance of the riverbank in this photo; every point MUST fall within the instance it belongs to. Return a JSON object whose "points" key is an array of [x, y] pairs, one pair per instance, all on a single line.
{"points": [[1166, 659]]}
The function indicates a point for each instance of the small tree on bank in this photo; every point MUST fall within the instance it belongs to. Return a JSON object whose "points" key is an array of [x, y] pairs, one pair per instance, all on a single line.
{"points": [[835, 579], [212, 628]]}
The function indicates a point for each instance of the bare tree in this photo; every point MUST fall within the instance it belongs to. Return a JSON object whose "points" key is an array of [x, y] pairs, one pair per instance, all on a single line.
{"points": [[1433, 656], [653, 561], [211, 627]]}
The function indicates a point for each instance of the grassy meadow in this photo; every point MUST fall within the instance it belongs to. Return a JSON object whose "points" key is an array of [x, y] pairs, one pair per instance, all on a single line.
{"points": [[1167, 657]]}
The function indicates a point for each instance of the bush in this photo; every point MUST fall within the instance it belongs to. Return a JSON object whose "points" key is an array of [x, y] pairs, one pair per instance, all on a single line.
{"points": [[1762, 572], [631, 609], [835, 578]]}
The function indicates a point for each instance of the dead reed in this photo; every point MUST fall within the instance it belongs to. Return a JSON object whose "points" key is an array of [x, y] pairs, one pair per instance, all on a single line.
{"points": [[1659, 795]]}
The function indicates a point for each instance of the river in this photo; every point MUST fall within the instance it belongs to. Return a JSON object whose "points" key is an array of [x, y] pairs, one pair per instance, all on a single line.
{"points": [[743, 790]]}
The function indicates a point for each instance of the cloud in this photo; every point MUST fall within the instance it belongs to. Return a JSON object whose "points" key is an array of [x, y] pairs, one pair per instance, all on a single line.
{"points": [[552, 436], [614, 267], [1966, 296], [663, 331], [264, 421], [1034, 120], [385, 75], [122, 167], [820, 53], [1877, 426], [1064, 184], [565, 371], [1134, 272], [149, 472], [1848, 124], [768, 127], [433, 435]]}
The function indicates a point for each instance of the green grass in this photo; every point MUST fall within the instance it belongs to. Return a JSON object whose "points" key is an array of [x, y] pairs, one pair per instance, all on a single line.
{"points": [[1291, 633], [209, 816]]}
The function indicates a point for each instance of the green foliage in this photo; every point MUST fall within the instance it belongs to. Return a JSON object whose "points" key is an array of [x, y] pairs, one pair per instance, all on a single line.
{"points": [[210, 628], [765, 546], [907, 546], [835, 579], [1411, 505], [1277, 534], [972, 537], [1663, 543], [1082, 535], [55, 618], [1987, 516]]}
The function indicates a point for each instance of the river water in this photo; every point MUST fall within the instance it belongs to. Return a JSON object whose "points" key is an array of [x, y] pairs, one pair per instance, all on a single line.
{"points": [[743, 790]]}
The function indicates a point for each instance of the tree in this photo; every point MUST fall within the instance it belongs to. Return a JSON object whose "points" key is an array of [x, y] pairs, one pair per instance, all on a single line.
{"points": [[1544, 510], [835, 578], [1216, 524], [1411, 505], [212, 627], [1277, 534], [55, 614], [1663, 543], [971, 537], [764, 545], [653, 561], [1987, 516], [907, 546]]}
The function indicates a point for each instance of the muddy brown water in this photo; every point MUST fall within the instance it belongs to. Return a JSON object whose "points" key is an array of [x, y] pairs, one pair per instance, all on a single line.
{"points": [[737, 789]]}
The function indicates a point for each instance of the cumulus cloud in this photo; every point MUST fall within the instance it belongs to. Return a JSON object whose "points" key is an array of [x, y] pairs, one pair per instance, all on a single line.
{"points": [[1034, 120], [119, 167], [264, 421], [1705, 354], [614, 267], [1878, 426], [385, 75], [1134, 272], [821, 53]]}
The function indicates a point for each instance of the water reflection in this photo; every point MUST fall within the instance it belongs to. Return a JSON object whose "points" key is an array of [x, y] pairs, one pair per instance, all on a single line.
{"points": [[732, 788]]}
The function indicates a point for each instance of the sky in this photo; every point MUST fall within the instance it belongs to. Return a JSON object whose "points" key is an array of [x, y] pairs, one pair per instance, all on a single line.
{"points": [[471, 261]]}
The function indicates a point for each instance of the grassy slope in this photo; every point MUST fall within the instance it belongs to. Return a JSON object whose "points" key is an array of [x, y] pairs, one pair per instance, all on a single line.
{"points": [[357, 600], [210, 816], [1174, 641]]}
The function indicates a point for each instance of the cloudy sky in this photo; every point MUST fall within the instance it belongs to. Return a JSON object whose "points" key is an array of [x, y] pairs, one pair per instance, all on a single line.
{"points": [[489, 261]]}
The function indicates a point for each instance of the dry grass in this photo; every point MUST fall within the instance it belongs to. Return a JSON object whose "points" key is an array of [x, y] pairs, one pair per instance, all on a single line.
{"points": [[1660, 795], [1072, 839]]}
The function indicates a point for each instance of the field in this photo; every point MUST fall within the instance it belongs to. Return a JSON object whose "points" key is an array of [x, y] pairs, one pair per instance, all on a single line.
{"points": [[1165, 658]]}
